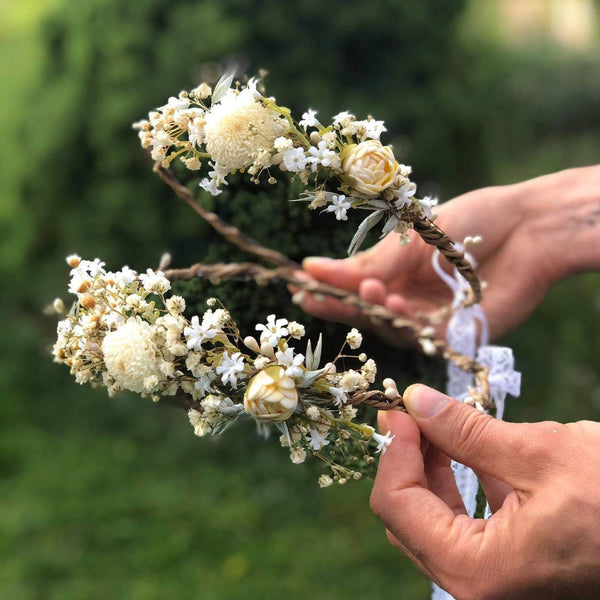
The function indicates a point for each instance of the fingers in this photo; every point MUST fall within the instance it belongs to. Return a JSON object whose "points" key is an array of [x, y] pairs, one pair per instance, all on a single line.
{"points": [[398, 304], [421, 522], [345, 273], [326, 307], [441, 481], [495, 490], [373, 291], [470, 437], [397, 544]]}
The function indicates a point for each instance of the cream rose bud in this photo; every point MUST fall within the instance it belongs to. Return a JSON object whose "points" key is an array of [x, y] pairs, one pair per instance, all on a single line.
{"points": [[271, 395], [370, 167]]}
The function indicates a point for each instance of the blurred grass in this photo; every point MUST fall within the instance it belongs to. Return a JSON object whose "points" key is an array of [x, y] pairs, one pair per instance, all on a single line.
{"points": [[113, 498]]}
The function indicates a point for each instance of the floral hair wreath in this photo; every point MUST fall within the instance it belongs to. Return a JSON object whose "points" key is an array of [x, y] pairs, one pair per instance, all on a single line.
{"points": [[126, 332]]}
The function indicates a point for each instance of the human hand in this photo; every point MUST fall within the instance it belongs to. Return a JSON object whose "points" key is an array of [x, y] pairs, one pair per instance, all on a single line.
{"points": [[534, 234], [542, 482]]}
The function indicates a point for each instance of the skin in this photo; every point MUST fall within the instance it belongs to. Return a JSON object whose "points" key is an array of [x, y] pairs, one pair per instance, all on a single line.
{"points": [[542, 480], [534, 234]]}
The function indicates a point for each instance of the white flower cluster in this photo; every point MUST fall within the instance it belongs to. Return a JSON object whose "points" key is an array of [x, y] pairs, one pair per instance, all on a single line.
{"points": [[125, 333], [238, 129]]}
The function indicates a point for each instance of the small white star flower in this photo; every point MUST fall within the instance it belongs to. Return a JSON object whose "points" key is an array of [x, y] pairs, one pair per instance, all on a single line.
{"points": [[295, 160], [427, 205], [198, 333], [341, 117], [383, 441], [196, 131], [339, 205], [293, 363], [231, 368], [374, 129], [322, 155], [309, 119], [273, 331], [317, 440], [203, 383], [211, 186], [339, 396]]}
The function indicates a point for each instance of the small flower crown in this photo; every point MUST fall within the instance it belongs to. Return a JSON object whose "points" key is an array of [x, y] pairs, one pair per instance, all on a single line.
{"points": [[344, 165], [125, 332]]}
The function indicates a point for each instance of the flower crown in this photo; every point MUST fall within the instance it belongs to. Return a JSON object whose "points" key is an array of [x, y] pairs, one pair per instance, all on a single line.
{"points": [[125, 332], [343, 165]]}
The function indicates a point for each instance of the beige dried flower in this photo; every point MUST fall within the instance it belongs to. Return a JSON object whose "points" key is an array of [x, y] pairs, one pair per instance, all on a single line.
{"points": [[131, 356], [239, 128], [370, 167], [271, 395]]}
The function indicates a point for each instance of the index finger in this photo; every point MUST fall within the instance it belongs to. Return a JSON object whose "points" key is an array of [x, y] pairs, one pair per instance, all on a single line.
{"points": [[419, 519], [324, 306]]}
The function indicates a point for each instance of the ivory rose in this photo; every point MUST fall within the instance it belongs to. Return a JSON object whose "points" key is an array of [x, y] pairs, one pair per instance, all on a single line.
{"points": [[271, 395], [370, 167]]}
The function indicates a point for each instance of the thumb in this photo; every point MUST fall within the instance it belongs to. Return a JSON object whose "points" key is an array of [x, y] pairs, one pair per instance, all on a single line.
{"points": [[469, 436]]}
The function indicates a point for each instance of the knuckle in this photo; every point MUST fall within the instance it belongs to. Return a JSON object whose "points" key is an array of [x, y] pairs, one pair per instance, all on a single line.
{"points": [[586, 431], [376, 502], [483, 588], [473, 431], [543, 445]]}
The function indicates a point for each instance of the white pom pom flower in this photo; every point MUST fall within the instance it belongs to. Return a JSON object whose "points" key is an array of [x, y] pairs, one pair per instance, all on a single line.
{"points": [[131, 356], [239, 127]]}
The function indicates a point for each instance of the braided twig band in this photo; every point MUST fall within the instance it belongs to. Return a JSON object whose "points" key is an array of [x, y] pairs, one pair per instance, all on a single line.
{"points": [[433, 235], [373, 398], [430, 233], [230, 233], [263, 275]]}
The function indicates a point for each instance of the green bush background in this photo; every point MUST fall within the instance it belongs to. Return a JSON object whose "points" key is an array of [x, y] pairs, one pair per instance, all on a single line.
{"points": [[115, 498]]}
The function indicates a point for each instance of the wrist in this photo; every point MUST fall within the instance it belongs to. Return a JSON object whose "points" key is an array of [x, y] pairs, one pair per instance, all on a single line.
{"points": [[561, 215]]}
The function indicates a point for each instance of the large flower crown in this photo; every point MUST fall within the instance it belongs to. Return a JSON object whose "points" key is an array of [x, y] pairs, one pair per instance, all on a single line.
{"points": [[125, 332]]}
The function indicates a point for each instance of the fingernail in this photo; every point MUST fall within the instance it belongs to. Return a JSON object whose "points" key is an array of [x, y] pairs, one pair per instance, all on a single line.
{"points": [[315, 259], [423, 401], [298, 297]]}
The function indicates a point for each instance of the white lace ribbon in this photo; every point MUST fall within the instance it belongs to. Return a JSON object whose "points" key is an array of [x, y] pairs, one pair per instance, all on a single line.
{"points": [[468, 333]]}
